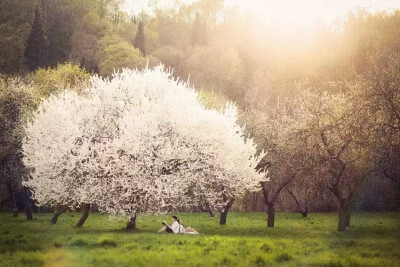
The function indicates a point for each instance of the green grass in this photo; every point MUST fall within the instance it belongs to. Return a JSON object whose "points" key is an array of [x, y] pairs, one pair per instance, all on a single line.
{"points": [[372, 240]]}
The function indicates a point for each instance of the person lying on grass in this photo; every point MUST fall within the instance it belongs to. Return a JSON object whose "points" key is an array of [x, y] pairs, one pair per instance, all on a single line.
{"points": [[186, 230], [176, 227]]}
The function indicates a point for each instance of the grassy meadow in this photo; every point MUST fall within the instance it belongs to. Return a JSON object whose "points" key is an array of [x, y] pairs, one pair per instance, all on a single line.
{"points": [[372, 240]]}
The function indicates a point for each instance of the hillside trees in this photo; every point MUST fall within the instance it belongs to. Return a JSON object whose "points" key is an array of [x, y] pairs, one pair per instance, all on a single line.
{"points": [[84, 40]]}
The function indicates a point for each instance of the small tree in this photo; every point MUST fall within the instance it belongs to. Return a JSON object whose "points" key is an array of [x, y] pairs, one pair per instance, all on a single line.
{"points": [[140, 39], [15, 105], [274, 127], [382, 97], [339, 130]]}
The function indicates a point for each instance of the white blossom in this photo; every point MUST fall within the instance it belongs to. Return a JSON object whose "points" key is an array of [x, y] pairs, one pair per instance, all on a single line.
{"points": [[140, 142]]}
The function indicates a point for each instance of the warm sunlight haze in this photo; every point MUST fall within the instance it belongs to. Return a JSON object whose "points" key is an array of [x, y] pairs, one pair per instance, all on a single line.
{"points": [[285, 12]]}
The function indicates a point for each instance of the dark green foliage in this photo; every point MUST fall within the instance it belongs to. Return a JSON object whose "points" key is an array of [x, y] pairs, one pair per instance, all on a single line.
{"points": [[59, 44], [140, 39], [36, 45]]}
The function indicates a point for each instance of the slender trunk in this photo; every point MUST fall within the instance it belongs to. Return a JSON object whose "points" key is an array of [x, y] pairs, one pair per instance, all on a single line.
{"points": [[224, 212], [271, 215], [210, 210], [28, 207], [86, 209], [14, 205], [298, 204], [222, 217], [211, 213], [304, 213], [255, 203], [342, 219], [13, 199], [58, 211], [131, 225], [347, 214]]}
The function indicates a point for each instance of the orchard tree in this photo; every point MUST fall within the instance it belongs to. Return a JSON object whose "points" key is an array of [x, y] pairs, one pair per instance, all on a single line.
{"points": [[306, 190], [382, 96], [175, 160], [339, 128], [58, 187], [125, 145], [15, 104], [275, 128]]}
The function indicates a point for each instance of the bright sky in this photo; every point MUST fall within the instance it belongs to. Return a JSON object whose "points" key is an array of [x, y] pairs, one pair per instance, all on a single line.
{"points": [[289, 11]]}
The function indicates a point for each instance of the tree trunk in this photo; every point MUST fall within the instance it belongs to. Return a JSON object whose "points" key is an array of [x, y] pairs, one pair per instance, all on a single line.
{"points": [[347, 214], [271, 215], [58, 211], [211, 213], [131, 225], [86, 209], [14, 205], [342, 219], [28, 207], [224, 212], [304, 213], [210, 210]]}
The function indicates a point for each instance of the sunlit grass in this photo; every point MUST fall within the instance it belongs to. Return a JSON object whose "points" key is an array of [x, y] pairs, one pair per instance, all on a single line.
{"points": [[372, 240]]}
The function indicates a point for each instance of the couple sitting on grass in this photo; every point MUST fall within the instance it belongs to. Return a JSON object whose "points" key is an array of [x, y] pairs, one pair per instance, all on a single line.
{"points": [[177, 227]]}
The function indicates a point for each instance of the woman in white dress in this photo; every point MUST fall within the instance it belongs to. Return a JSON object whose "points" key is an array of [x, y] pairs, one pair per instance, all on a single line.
{"points": [[173, 229], [177, 227]]}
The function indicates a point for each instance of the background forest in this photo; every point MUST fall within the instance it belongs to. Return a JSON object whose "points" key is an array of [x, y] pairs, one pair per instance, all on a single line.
{"points": [[322, 101]]}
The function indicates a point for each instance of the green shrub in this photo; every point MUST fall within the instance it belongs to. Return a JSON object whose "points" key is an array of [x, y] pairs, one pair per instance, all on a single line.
{"points": [[53, 80]]}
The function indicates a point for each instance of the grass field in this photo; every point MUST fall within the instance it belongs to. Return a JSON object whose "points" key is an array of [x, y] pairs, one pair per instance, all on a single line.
{"points": [[372, 240]]}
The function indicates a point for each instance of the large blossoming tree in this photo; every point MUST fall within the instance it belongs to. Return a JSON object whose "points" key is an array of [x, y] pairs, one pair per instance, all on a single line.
{"points": [[140, 142]]}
